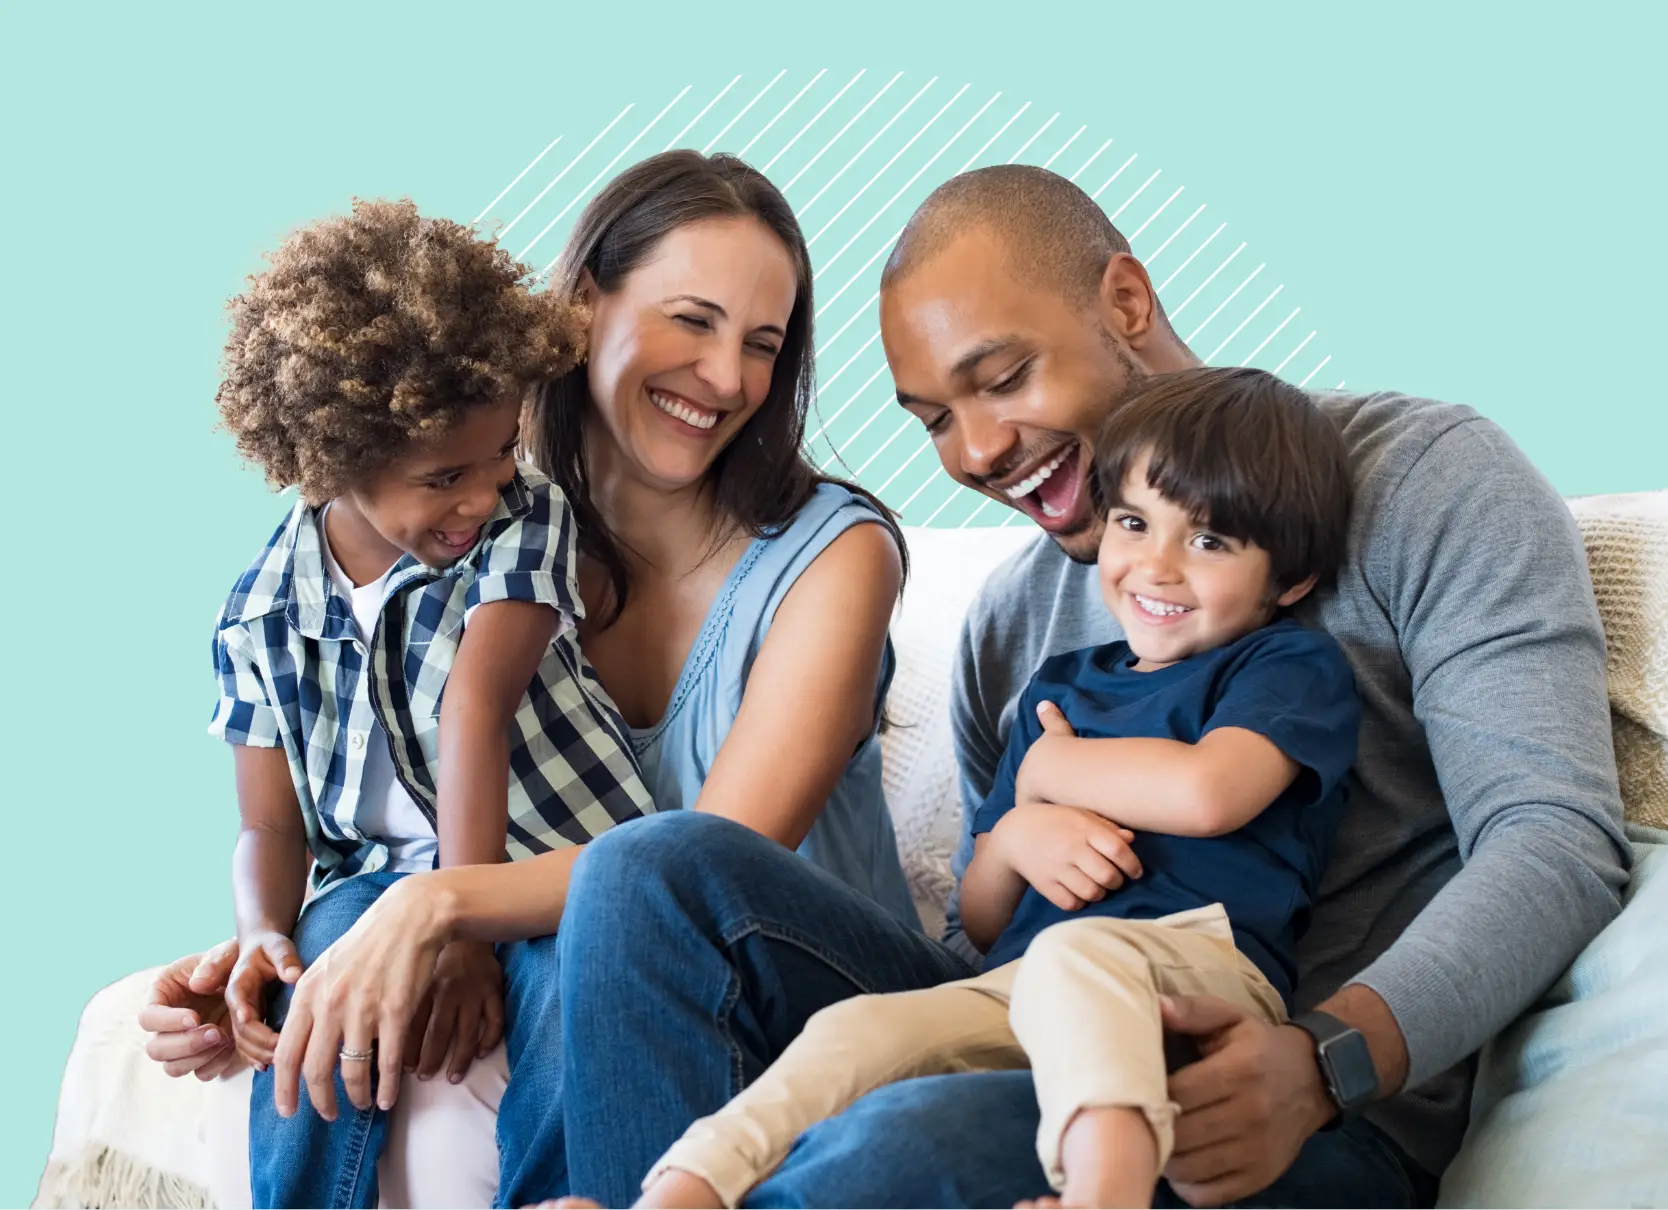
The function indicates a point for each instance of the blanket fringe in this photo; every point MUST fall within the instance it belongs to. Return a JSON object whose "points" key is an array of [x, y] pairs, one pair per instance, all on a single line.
{"points": [[102, 1177]]}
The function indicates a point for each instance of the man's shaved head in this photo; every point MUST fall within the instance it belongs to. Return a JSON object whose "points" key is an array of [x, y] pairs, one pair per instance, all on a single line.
{"points": [[1056, 237]]}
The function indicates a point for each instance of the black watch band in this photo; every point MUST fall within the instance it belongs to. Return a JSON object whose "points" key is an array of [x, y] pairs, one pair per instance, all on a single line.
{"points": [[1345, 1062]]}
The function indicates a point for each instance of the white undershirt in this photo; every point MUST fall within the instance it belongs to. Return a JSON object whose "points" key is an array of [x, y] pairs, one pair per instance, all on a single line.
{"points": [[385, 811]]}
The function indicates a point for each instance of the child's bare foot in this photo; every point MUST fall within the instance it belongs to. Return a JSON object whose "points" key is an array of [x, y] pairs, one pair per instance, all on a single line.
{"points": [[1038, 1203], [566, 1203], [676, 1189]]}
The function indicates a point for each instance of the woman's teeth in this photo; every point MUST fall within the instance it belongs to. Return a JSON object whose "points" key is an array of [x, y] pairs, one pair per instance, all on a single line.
{"points": [[675, 407], [1037, 478], [1162, 609]]}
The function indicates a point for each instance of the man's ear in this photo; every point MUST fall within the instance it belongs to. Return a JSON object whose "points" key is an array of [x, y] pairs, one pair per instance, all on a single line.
{"points": [[1128, 304], [1295, 593]]}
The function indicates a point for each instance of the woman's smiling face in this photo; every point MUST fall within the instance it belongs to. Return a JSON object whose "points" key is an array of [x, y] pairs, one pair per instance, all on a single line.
{"points": [[682, 352]]}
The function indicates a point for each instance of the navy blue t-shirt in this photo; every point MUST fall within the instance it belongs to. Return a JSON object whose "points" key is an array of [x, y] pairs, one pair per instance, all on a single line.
{"points": [[1288, 684]]}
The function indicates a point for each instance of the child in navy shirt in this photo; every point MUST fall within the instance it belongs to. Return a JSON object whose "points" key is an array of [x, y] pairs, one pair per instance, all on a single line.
{"points": [[1159, 822]]}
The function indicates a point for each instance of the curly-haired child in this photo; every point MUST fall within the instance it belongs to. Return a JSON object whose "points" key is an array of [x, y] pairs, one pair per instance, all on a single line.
{"points": [[1158, 824], [399, 671]]}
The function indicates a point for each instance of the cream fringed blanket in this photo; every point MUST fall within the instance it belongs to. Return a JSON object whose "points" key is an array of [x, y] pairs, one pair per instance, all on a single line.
{"points": [[1627, 552]]}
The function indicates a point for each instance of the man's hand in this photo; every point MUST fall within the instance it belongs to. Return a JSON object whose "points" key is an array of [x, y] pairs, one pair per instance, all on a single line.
{"points": [[1072, 856], [462, 1017], [1247, 1105]]}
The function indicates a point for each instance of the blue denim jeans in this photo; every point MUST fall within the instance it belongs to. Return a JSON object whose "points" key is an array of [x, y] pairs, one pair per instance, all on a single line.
{"points": [[306, 1161], [694, 951]]}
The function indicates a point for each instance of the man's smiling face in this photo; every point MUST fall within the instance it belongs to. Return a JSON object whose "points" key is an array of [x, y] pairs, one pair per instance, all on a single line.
{"points": [[1012, 380]]}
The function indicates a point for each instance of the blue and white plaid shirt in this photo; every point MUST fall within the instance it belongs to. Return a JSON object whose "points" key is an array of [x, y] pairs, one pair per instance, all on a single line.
{"points": [[293, 671]]}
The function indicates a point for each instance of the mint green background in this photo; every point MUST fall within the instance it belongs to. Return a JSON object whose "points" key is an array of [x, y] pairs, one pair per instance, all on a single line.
{"points": [[1463, 199]]}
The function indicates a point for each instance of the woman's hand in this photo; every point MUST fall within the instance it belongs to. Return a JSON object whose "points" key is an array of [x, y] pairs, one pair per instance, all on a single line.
{"points": [[359, 997], [186, 1017]]}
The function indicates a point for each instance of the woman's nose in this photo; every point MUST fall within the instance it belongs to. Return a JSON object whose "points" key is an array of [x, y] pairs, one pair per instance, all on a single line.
{"points": [[720, 369]]}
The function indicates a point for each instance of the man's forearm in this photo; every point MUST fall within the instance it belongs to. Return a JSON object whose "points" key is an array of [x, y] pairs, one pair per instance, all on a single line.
{"points": [[1502, 931]]}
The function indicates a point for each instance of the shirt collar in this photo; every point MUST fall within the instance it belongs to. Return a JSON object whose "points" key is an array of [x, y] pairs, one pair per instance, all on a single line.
{"points": [[317, 608]]}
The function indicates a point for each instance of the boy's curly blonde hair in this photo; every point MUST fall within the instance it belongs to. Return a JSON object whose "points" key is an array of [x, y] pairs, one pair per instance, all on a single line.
{"points": [[373, 330]]}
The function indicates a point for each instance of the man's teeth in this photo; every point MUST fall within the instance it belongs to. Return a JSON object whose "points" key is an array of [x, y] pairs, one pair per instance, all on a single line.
{"points": [[1162, 609], [1037, 479], [685, 413]]}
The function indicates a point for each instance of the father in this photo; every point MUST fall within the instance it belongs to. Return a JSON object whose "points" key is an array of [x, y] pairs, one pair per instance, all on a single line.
{"points": [[1481, 849]]}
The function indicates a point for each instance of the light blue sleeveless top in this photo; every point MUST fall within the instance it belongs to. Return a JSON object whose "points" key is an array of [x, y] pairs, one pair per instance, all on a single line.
{"points": [[852, 839]]}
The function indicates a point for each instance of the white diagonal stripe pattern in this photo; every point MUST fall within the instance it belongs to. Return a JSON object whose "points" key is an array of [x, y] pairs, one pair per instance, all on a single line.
{"points": [[1085, 165], [1251, 356], [487, 209], [1173, 234], [1155, 214], [1209, 279], [585, 193], [744, 109], [838, 133], [887, 204], [870, 182], [565, 171], [1225, 302], [1095, 196], [742, 154], [1242, 323], [1027, 144], [705, 109], [771, 163], [894, 454], [1293, 353], [1189, 260], [872, 140], [1049, 163]]}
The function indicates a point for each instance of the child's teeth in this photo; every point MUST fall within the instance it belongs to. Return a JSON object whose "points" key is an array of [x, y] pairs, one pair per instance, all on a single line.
{"points": [[1047, 511], [1162, 608]]}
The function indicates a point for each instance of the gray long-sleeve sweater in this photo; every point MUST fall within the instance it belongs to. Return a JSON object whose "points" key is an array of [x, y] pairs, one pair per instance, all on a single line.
{"points": [[1482, 846]]}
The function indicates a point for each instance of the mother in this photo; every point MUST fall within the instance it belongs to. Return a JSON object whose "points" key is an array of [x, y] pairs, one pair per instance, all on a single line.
{"points": [[737, 604]]}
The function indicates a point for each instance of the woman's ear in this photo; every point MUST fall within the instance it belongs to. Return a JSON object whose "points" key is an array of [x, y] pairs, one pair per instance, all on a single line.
{"points": [[588, 290], [1295, 593]]}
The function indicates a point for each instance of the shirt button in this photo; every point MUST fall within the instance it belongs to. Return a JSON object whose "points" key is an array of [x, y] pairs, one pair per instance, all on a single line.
{"points": [[356, 741]]}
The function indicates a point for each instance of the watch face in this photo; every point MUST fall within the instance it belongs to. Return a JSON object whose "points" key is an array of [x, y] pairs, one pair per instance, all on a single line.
{"points": [[1350, 1064]]}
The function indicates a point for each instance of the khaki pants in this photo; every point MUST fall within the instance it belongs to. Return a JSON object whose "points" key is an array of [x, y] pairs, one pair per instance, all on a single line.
{"points": [[1080, 1009]]}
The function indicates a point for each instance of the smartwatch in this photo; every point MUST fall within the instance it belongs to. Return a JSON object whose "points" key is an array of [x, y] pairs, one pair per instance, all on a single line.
{"points": [[1346, 1064]]}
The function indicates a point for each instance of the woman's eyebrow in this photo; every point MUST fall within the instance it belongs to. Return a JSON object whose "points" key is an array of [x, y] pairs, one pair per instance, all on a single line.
{"points": [[700, 302]]}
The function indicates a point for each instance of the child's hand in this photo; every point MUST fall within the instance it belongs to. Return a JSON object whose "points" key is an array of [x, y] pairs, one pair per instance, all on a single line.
{"points": [[1054, 728], [264, 958], [463, 1016], [1070, 855]]}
